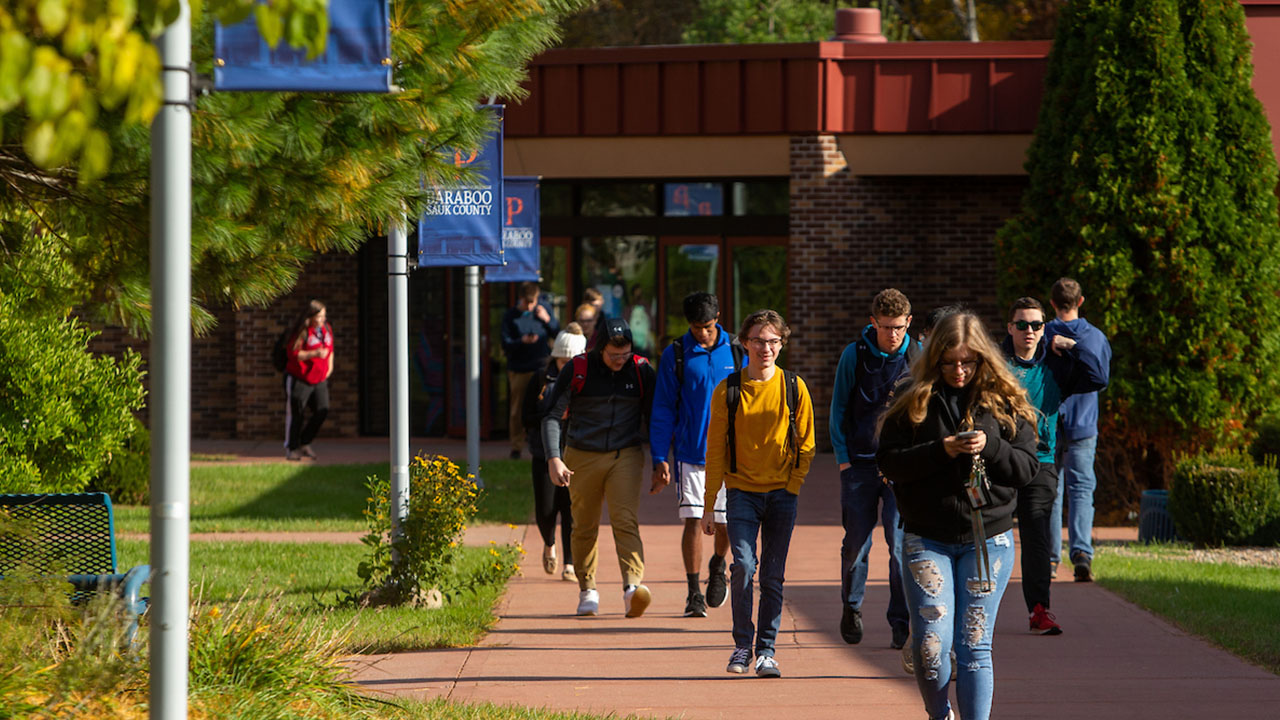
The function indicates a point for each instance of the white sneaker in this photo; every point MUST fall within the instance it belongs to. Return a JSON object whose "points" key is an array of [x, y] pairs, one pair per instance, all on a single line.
{"points": [[767, 667], [636, 600], [569, 575], [589, 602]]}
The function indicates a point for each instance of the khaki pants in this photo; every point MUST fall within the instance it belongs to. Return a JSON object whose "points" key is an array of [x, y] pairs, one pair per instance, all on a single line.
{"points": [[517, 383], [615, 477]]}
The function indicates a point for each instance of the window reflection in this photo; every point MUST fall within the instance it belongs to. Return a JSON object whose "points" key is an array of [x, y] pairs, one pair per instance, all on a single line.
{"points": [[689, 269], [624, 269], [618, 200]]}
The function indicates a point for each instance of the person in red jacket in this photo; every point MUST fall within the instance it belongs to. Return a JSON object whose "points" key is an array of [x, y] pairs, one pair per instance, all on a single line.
{"points": [[306, 380]]}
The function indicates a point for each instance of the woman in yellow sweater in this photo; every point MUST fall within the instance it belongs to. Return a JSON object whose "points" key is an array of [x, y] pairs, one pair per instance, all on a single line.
{"points": [[761, 451]]}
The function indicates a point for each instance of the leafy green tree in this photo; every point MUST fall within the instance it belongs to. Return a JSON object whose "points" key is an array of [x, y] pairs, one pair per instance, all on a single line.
{"points": [[277, 177], [756, 21], [1152, 182], [67, 63], [63, 410]]}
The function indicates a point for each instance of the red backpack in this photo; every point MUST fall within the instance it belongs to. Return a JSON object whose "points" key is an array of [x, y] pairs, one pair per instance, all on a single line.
{"points": [[580, 372]]}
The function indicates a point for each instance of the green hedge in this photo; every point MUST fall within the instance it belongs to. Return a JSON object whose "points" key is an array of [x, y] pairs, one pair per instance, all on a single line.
{"points": [[1225, 499]]}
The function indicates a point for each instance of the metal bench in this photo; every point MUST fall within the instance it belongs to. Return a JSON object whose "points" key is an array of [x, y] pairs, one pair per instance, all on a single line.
{"points": [[72, 533]]}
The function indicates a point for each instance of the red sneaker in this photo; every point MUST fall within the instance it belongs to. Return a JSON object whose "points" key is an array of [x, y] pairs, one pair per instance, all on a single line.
{"points": [[1043, 622]]}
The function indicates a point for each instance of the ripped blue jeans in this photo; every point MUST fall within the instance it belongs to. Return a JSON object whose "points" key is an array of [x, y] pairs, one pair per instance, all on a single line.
{"points": [[951, 610]]}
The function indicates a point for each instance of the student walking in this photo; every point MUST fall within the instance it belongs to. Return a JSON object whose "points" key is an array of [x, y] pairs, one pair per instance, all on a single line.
{"points": [[760, 443], [688, 373], [1049, 371], [607, 394], [306, 380], [1078, 439], [550, 501], [957, 443], [527, 328], [868, 370]]}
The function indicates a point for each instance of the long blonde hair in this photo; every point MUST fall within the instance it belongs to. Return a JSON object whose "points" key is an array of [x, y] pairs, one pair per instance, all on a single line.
{"points": [[994, 386]]}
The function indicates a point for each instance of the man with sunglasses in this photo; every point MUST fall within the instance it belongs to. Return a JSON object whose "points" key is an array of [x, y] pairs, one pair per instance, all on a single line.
{"points": [[1050, 371], [868, 370], [606, 396]]}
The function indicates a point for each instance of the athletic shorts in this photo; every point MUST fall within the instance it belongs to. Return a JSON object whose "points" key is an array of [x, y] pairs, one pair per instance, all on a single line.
{"points": [[691, 481]]}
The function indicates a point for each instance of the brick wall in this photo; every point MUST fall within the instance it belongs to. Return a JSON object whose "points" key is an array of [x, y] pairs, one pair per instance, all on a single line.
{"points": [[930, 237], [258, 401], [236, 393]]}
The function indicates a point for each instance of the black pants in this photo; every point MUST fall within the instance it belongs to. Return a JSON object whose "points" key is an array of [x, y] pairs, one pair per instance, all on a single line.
{"points": [[1034, 504], [549, 502], [300, 395]]}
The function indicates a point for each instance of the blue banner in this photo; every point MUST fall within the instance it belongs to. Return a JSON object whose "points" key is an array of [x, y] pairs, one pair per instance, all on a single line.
{"points": [[357, 56], [463, 226], [521, 236]]}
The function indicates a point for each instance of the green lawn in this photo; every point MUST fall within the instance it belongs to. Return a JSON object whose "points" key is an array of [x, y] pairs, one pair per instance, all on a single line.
{"points": [[297, 497], [1234, 607], [311, 577]]}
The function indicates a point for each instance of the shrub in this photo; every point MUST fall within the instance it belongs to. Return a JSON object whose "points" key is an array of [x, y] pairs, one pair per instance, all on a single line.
{"points": [[1152, 182], [63, 410], [1223, 498], [1267, 442], [127, 477], [442, 500]]}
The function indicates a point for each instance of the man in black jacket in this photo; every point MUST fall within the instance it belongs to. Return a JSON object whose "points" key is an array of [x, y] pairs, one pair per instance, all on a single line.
{"points": [[607, 393]]}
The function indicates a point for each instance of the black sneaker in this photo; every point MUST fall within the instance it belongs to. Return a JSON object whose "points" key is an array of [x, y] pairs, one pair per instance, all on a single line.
{"points": [[695, 606], [851, 625], [1084, 567], [900, 635], [717, 586]]}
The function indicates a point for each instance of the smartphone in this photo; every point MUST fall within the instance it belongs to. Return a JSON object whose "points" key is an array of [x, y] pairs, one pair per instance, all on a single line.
{"points": [[967, 435]]}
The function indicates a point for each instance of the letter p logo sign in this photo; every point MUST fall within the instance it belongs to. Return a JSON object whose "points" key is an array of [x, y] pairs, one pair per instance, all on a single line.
{"points": [[515, 206], [459, 162]]}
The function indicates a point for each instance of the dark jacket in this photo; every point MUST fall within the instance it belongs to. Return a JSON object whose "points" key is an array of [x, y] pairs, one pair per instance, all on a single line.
{"points": [[1049, 378], [1078, 415], [537, 400], [610, 412], [864, 385], [929, 485], [522, 356]]}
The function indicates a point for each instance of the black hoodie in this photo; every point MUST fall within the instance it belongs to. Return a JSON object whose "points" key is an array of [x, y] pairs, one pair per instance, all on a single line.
{"points": [[929, 484]]}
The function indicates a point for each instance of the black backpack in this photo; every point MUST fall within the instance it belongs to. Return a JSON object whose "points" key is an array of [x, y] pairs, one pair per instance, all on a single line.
{"points": [[280, 352], [677, 354], [733, 397]]}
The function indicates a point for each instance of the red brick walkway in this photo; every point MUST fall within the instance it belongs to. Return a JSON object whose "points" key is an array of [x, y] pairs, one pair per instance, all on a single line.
{"points": [[1113, 661]]}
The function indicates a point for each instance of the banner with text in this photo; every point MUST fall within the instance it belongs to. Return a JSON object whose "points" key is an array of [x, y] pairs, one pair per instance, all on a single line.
{"points": [[463, 226], [520, 234]]}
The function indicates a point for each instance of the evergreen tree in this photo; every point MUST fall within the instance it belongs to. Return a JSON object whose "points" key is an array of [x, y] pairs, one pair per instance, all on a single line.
{"points": [[1152, 182], [277, 177]]}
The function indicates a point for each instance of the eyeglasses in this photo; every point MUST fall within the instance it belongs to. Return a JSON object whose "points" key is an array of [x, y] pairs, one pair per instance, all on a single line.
{"points": [[1024, 324], [895, 329], [761, 343], [615, 356], [966, 365]]}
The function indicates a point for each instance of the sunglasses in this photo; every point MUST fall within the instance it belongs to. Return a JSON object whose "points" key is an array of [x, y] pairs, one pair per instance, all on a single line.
{"points": [[1024, 324]]}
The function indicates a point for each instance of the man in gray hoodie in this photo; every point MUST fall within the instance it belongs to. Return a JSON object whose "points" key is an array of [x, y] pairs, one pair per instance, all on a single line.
{"points": [[607, 394]]}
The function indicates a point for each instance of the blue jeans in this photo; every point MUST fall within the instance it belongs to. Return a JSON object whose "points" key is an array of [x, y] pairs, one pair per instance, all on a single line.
{"points": [[863, 496], [771, 516], [1076, 475], [948, 604]]}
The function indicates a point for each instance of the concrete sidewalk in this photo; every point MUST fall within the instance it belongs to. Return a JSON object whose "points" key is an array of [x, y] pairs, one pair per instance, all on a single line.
{"points": [[1113, 660]]}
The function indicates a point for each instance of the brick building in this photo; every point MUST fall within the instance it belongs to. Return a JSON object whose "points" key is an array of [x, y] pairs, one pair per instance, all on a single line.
{"points": [[804, 177]]}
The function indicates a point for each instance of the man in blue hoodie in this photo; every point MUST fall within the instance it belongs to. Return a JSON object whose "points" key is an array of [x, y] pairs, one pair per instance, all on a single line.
{"points": [[1050, 371], [688, 372], [868, 370], [1078, 441]]}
